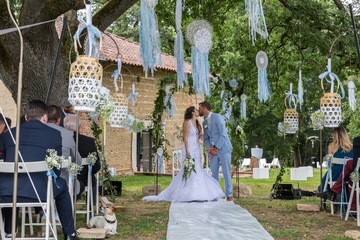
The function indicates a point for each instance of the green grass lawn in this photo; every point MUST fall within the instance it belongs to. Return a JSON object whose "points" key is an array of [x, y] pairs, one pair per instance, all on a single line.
{"points": [[148, 220]]}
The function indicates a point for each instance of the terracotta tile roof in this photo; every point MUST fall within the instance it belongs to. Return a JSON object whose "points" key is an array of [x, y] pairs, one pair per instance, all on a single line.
{"points": [[130, 51]]}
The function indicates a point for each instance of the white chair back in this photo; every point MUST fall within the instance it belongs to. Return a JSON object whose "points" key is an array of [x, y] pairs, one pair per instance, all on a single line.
{"points": [[48, 206], [354, 188], [245, 163]]}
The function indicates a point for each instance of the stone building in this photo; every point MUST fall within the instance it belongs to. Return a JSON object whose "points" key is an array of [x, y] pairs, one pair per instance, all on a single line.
{"points": [[123, 149]]}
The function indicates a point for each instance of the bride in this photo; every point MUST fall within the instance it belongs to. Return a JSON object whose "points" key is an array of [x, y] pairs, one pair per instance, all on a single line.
{"points": [[199, 186]]}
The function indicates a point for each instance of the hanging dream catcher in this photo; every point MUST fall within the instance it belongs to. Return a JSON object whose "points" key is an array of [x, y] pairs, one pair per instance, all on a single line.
{"points": [[179, 47], [263, 85], [256, 19], [150, 49], [199, 35]]}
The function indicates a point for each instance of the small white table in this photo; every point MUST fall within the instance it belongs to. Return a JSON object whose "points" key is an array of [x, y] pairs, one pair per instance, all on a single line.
{"points": [[260, 173]]}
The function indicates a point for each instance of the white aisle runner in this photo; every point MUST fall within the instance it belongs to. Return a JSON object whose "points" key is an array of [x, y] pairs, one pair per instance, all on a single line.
{"points": [[213, 220]]}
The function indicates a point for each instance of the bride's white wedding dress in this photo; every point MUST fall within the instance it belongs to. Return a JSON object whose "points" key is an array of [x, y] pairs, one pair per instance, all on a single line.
{"points": [[200, 186]]}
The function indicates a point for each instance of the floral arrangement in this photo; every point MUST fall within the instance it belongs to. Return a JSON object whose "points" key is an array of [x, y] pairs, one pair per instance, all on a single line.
{"points": [[74, 169], [92, 158], [189, 166], [328, 157], [53, 160], [317, 120], [106, 105], [133, 125], [283, 127], [354, 176]]}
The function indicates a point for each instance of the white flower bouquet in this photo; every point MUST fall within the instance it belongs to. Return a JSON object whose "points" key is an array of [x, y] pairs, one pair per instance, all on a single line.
{"points": [[74, 169], [189, 167], [92, 158], [317, 120], [106, 105], [328, 157], [53, 160]]}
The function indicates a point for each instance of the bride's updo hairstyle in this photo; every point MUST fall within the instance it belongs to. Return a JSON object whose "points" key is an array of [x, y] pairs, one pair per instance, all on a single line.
{"points": [[188, 116]]}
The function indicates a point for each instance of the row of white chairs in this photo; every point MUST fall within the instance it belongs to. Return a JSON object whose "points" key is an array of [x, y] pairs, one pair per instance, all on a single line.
{"points": [[48, 206], [262, 163]]}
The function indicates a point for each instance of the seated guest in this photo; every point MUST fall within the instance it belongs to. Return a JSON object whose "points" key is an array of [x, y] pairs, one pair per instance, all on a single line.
{"points": [[68, 143], [86, 145], [3, 129], [348, 169], [340, 147], [35, 139], [66, 109]]}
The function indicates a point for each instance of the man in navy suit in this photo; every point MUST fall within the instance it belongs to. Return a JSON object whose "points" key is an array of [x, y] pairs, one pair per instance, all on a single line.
{"points": [[35, 139], [217, 141]]}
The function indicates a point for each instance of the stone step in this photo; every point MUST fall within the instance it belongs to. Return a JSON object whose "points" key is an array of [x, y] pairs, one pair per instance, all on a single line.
{"points": [[93, 233]]}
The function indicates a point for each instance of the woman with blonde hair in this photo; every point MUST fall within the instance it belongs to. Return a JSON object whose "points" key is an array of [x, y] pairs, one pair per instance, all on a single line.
{"points": [[340, 147]]}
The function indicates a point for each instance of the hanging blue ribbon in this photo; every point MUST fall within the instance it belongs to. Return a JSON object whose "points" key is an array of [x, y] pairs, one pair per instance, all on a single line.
{"points": [[179, 47], [90, 169], [93, 33], [326, 75], [116, 74], [160, 163], [133, 95], [149, 39], [53, 174], [292, 98], [300, 90], [200, 71]]}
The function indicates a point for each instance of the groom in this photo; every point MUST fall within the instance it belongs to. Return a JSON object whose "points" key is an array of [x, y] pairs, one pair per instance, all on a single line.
{"points": [[217, 142]]}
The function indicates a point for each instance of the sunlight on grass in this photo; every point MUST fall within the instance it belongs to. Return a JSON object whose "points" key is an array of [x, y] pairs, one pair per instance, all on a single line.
{"points": [[148, 220]]}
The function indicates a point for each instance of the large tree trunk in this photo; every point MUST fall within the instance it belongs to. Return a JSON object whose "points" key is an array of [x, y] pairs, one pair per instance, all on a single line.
{"points": [[40, 46]]}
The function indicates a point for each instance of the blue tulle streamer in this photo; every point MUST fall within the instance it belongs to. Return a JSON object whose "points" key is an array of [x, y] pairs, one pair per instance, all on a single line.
{"points": [[263, 86], [160, 163], [200, 71], [149, 39], [180, 62]]}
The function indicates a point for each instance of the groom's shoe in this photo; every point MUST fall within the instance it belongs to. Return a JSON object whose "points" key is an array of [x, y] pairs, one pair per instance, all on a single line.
{"points": [[229, 198]]}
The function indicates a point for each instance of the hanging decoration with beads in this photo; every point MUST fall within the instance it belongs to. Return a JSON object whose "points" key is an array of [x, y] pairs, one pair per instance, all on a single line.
{"points": [[199, 35], [352, 99], [85, 78], [150, 49], [291, 116], [263, 85], [256, 19], [330, 102], [179, 47]]}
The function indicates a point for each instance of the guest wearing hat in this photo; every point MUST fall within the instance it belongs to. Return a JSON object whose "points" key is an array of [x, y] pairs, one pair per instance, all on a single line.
{"points": [[66, 109]]}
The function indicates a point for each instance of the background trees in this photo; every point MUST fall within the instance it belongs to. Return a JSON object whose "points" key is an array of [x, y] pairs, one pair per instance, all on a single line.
{"points": [[301, 34]]}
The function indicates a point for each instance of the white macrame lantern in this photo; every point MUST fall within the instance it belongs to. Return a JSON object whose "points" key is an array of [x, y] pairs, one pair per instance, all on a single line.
{"points": [[330, 105], [330, 102], [120, 112], [85, 81], [291, 116]]}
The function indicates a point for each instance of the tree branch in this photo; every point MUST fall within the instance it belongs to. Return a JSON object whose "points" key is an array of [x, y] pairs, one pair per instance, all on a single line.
{"points": [[339, 5], [110, 12], [285, 3]]}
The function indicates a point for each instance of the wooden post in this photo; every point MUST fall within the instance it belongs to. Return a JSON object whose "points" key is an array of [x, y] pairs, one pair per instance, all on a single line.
{"points": [[320, 161]]}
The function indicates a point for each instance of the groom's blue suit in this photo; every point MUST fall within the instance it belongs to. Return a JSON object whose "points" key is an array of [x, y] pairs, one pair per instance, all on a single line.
{"points": [[215, 135]]}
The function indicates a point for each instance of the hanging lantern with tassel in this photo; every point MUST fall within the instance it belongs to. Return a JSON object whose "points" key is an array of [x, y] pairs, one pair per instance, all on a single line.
{"points": [[120, 101], [85, 78], [291, 116], [330, 103]]}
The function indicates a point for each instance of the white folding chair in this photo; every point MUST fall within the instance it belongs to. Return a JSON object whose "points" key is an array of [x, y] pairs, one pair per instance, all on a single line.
{"points": [[48, 206], [176, 161], [354, 188], [24, 210], [245, 163], [330, 182], [89, 195], [262, 163]]}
